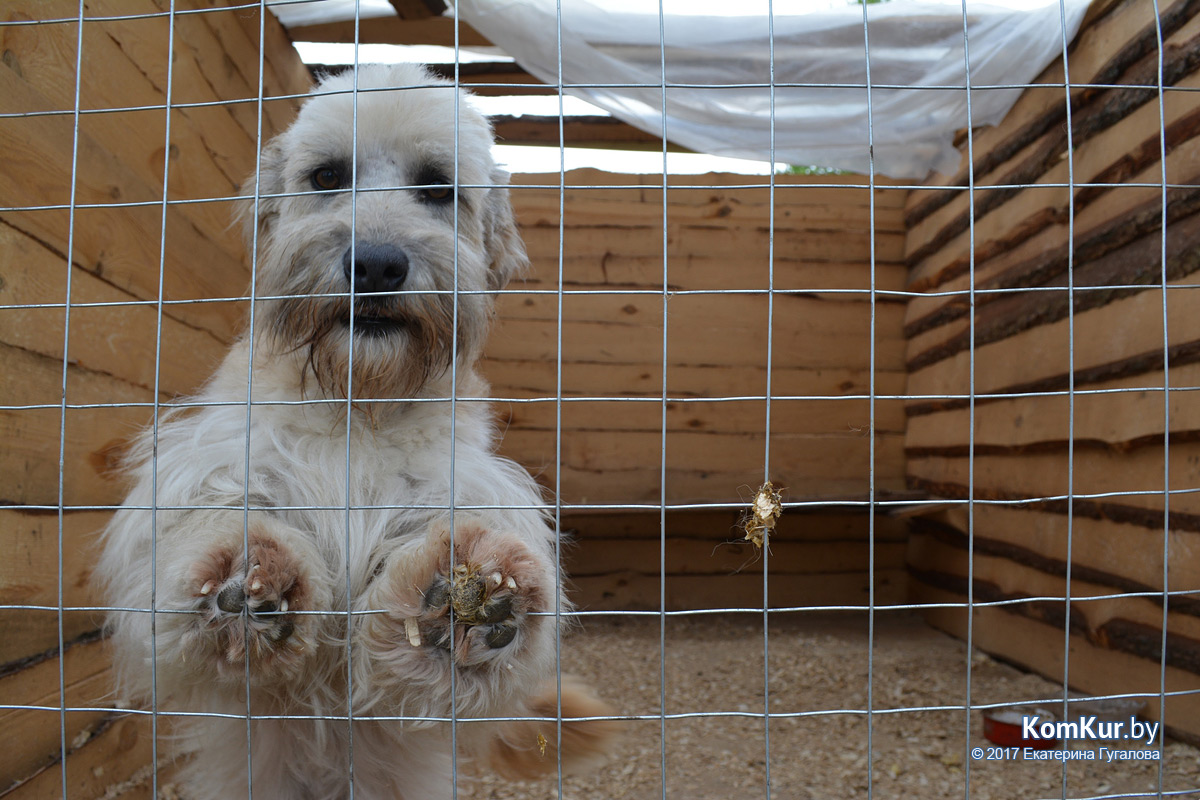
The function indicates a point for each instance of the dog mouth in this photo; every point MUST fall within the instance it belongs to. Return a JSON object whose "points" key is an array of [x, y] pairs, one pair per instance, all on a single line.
{"points": [[373, 325]]}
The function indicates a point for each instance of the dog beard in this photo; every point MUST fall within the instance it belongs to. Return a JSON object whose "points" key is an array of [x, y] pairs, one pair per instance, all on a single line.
{"points": [[399, 343]]}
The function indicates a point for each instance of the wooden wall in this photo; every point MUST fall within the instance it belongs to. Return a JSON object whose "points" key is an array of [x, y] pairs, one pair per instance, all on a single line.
{"points": [[114, 258], [612, 450], [1108, 335]]}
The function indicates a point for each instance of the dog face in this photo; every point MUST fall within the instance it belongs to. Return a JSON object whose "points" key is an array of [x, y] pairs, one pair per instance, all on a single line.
{"points": [[405, 216]]}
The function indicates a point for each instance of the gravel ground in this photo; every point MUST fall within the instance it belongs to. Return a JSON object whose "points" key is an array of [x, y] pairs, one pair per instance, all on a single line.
{"points": [[816, 663]]}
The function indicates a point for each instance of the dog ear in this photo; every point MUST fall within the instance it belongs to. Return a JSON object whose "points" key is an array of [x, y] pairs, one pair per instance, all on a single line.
{"points": [[501, 241], [270, 182]]}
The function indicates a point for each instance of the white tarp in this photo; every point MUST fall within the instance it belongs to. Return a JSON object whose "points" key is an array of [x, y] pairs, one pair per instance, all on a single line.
{"points": [[913, 43]]}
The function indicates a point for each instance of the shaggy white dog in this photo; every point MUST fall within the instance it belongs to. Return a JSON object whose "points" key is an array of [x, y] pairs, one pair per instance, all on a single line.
{"points": [[298, 562]]}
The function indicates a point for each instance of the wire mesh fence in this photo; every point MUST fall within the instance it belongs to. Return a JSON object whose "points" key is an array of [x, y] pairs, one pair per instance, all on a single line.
{"points": [[974, 391]]}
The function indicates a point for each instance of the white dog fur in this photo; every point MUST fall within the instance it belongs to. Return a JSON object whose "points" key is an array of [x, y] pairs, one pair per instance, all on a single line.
{"points": [[257, 578]]}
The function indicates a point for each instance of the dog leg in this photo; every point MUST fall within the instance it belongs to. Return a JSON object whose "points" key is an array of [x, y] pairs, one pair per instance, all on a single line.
{"points": [[528, 749]]}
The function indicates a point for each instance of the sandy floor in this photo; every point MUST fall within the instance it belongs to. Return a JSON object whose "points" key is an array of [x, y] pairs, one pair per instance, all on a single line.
{"points": [[715, 664], [817, 663]]}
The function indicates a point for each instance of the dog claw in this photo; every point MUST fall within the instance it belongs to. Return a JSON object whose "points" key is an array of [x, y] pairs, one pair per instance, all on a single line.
{"points": [[512, 584], [256, 586], [413, 632], [207, 588], [283, 604], [496, 579]]}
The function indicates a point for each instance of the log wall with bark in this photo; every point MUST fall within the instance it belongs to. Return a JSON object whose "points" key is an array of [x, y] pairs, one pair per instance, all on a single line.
{"points": [[1044, 392]]}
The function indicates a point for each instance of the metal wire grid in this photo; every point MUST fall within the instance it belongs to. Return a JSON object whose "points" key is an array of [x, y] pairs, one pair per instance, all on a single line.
{"points": [[872, 503]]}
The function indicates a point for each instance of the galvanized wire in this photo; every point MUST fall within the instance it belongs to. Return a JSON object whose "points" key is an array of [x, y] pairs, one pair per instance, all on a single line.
{"points": [[874, 503]]}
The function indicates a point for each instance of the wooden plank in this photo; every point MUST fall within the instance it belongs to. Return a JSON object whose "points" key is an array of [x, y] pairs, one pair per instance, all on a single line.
{"points": [[1122, 556], [245, 35], [847, 188], [809, 417], [635, 592], [494, 79], [1102, 336], [113, 762], [29, 471], [1038, 647], [540, 206], [750, 245], [645, 310], [289, 73], [86, 677], [41, 53], [595, 131], [113, 340], [1034, 475], [605, 264], [1138, 263], [615, 468], [210, 63], [418, 9], [823, 333], [795, 417], [801, 525], [706, 271], [206, 69], [1050, 206], [1118, 35], [539, 379], [828, 455], [29, 566], [1102, 134], [117, 243], [1094, 608], [1112, 219], [787, 560], [641, 485], [1121, 420], [393, 30], [237, 44]]}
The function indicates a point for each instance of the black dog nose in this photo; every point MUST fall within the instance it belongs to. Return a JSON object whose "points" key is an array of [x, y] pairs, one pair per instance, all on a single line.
{"points": [[376, 267]]}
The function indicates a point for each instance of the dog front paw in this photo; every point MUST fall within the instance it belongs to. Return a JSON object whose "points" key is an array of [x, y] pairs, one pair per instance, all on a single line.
{"points": [[247, 599], [476, 605], [468, 609]]}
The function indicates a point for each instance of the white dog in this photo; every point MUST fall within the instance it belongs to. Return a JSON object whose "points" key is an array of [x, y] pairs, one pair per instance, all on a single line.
{"points": [[299, 561]]}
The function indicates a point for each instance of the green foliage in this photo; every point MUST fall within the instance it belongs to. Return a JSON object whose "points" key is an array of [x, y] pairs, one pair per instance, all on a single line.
{"points": [[798, 169]]}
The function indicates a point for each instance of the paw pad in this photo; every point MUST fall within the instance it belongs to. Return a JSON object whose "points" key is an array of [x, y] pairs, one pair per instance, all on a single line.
{"points": [[481, 603], [247, 610]]}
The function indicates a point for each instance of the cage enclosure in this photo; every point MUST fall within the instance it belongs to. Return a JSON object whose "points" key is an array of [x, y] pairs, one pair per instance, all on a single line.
{"points": [[974, 394]]}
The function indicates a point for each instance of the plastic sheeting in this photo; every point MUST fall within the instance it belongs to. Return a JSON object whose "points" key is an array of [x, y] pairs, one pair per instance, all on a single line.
{"points": [[713, 61]]}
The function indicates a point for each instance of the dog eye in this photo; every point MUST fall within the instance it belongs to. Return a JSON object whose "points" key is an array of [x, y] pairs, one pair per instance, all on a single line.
{"points": [[326, 179], [438, 194]]}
